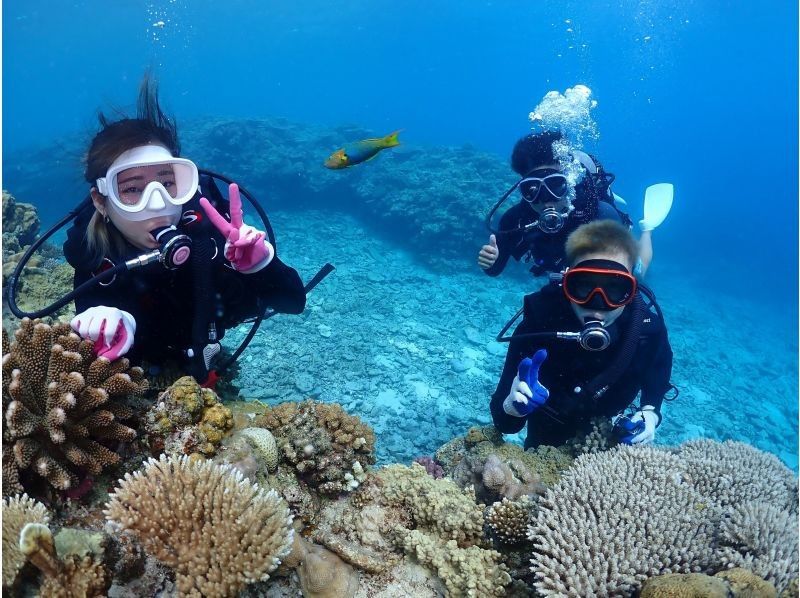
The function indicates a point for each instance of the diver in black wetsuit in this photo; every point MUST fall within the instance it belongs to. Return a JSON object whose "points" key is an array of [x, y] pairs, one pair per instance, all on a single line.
{"points": [[555, 385], [536, 229], [144, 197]]}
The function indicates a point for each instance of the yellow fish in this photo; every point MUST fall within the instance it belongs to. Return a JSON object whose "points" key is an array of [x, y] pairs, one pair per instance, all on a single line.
{"points": [[360, 151]]}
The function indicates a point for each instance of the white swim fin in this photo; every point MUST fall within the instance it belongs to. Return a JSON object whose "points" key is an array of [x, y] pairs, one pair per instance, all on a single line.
{"points": [[657, 204]]}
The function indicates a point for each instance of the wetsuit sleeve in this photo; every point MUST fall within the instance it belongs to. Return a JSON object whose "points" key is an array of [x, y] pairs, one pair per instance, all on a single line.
{"points": [[657, 377], [517, 350], [279, 287], [505, 242]]}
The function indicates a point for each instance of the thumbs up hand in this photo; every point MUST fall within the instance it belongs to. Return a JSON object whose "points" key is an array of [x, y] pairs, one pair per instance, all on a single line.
{"points": [[488, 254], [527, 394]]}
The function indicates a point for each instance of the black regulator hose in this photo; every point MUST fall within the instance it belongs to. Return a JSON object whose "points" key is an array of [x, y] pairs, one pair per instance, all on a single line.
{"points": [[11, 289]]}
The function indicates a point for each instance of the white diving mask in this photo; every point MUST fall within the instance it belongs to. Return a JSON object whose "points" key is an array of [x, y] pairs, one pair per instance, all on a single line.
{"points": [[149, 182]]}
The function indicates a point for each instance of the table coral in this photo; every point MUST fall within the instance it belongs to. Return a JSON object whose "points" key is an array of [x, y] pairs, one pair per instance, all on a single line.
{"points": [[330, 449], [62, 404], [218, 531], [187, 419]]}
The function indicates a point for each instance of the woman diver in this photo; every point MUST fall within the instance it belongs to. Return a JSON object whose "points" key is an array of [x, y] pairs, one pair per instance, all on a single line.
{"points": [[586, 347], [214, 273]]}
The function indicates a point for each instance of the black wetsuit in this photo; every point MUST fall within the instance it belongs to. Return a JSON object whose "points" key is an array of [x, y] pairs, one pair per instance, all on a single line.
{"points": [[546, 250], [162, 300], [568, 366]]}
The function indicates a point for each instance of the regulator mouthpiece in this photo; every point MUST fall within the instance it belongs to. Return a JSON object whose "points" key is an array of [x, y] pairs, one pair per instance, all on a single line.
{"points": [[174, 247], [594, 336]]}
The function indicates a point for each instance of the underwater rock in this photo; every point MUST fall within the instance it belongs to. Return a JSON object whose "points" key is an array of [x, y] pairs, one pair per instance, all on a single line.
{"points": [[20, 223], [187, 419]]}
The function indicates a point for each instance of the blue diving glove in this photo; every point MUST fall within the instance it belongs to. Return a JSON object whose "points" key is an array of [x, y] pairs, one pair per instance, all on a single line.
{"points": [[526, 394], [639, 428]]}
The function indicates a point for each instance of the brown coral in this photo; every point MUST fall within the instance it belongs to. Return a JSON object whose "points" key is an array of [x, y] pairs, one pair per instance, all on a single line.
{"points": [[322, 574], [330, 449], [61, 403], [215, 529]]}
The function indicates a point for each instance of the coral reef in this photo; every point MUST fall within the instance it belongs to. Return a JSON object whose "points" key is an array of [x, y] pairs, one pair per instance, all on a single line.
{"points": [[62, 578], [216, 530], [330, 449], [438, 506], [509, 519], [470, 571], [20, 224], [187, 419], [616, 517], [733, 583], [322, 574], [762, 538], [264, 442], [431, 466], [61, 404], [600, 437], [17, 513]]}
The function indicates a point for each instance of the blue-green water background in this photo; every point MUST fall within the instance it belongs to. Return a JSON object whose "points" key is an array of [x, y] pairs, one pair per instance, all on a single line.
{"points": [[701, 94]]}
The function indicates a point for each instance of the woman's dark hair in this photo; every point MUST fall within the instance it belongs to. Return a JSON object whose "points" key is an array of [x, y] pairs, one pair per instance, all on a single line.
{"points": [[534, 150], [151, 125]]}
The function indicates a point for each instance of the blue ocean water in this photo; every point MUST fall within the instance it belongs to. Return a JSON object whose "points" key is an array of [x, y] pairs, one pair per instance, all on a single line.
{"points": [[703, 95]]}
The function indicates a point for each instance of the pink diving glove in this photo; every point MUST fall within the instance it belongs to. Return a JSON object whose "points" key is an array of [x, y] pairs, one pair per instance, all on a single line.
{"points": [[246, 248], [110, 328]]}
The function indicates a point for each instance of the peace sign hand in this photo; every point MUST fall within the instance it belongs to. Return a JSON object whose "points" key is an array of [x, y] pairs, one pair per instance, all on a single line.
{"points": [[246, 248]]}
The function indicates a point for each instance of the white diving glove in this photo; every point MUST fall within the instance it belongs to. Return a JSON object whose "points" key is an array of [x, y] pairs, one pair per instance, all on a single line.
{"points": [[110, 328]]}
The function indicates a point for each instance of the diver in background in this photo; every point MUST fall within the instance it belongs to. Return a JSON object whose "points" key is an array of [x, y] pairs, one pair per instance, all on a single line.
{"points": [[145, 197], [537, 227], [556, 385]]}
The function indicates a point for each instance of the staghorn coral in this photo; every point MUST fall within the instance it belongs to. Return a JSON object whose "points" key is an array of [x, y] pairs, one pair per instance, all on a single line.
{"points": [[438, 506], [616, 518], [472, 571], [509, 519], [17, 513], [61, 402], [215, 529], [762, 538], [72, 576], [731, 473], [330, 449], [187, 419]]}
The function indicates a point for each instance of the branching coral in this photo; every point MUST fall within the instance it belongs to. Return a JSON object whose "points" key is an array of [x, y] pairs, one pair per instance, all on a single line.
{"points": [[187, 419], [616, 518], [763, 538], [215, 529], [330, 449], [72, 576], [18, 512], [61, 402]]}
